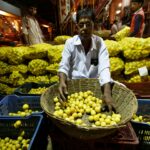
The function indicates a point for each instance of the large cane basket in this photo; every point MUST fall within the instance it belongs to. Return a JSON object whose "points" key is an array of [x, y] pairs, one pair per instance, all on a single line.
{"points": [[125, 100]]}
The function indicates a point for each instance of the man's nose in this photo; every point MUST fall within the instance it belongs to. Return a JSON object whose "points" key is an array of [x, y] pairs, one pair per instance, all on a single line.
{"points": [[84, 26]]}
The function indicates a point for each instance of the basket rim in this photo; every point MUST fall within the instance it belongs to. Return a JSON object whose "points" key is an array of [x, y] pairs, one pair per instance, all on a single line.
{"points": [[63, 121]]}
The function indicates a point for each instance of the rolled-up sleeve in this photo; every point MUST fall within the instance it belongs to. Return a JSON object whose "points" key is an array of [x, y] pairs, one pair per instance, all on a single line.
{"points": [[104, 64], [65, 62]]}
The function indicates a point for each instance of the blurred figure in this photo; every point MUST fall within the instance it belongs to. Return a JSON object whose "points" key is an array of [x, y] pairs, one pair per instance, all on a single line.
{"points": [[31, 30], [138, 18], [114, 27], [126, 19]]}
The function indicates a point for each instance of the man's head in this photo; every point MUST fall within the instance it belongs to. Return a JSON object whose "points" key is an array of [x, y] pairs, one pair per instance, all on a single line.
{"points": [[32, 10], [136, 4], [85, 22]]}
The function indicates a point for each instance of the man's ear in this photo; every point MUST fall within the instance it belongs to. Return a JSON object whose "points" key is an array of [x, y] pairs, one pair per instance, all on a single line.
{"points": [[76, 25]]}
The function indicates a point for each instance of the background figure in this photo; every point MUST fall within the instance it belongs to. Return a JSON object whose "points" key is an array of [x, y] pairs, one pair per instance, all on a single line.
{"points": [[114, 27], [126, 19], [31, 30], [138, 17]]}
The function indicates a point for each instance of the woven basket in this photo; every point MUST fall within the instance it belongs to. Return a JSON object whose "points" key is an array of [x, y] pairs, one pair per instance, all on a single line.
{"points": [[124, 99]]}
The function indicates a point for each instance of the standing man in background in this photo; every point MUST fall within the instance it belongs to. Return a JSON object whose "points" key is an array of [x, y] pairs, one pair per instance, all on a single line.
{"points": [[114, 27], [138, 17], [30, 27]]}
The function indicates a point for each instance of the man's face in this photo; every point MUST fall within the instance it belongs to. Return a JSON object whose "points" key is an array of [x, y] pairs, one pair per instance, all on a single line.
{"points": [[33, 10], [135, 6], [85, 27]]}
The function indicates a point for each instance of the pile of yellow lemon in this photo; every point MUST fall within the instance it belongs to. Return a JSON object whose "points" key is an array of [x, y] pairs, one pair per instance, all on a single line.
{"points": [[26, 111], [84, 109], [140, 118], [20, 143]]}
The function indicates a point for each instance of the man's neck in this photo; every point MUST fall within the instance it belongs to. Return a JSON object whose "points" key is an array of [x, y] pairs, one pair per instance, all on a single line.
{"points": [[86, 44]]}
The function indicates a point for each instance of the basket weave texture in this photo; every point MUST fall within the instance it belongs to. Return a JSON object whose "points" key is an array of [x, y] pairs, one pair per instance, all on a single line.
{"points": [[125, 100]]}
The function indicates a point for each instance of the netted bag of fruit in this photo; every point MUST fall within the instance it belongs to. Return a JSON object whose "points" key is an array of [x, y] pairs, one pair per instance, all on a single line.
{"points": [[135, 54], [42, 79], [37, 66], [132, 43], [16, 78], [55, 53], [5, 79], [37, 79], [119, 77], [10, 90], [53, 68], [3, 52], [116, 65], [4, 68], [54, 79], [113, 47], [138, 79], [21, 68], [146, 44], [5, 89], [122, 33], [61, 39], [37, 51], [132, 67], [16, 55], [39, 90]]}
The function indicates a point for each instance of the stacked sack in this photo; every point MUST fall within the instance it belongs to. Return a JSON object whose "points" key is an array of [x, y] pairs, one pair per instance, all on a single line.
{"points": [[36, 63], [127, 56], [116, 63], [136, 52]]}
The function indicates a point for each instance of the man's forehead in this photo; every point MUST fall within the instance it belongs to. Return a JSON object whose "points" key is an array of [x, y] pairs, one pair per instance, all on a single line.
{"points": [[85, 19]]}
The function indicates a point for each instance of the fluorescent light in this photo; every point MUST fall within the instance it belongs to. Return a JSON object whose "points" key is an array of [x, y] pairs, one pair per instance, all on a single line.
{"points": [[120, 4], [118, 11], [6, 14], [44, 25]]}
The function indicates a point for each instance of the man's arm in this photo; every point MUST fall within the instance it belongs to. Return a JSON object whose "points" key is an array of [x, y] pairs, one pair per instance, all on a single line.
{"points": [[137, 23], [105, 77], [63, 71]]}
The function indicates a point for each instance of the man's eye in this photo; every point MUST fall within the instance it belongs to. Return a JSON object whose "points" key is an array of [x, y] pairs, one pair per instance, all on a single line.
{"points": [[82, 24]]}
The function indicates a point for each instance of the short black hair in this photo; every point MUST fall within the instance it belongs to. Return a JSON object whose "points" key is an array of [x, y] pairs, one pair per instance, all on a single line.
{"points": [[85, 12], [138, 1]]}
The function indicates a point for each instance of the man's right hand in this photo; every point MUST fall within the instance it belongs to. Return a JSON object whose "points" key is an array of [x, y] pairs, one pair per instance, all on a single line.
{"points": [[63, 91], [63, 86]]}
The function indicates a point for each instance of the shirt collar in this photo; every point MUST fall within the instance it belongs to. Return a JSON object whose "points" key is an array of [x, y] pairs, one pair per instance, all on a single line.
{"points": [[138, 10], [77, 41]]}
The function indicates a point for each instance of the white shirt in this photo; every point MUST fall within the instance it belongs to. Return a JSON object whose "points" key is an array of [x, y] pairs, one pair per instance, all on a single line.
{"points": [[31, 27], [114, 29], [76, 64]]}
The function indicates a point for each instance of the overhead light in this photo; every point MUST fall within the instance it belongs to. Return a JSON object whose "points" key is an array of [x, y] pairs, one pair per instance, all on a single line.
{"points": [[118, 11], [120, 4], [6, 14], [44, 25]]}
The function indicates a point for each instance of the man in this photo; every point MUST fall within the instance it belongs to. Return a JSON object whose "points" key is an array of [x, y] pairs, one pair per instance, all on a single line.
{"points": [[137, 22], [85, 56], [114, 27], [30, 27]]}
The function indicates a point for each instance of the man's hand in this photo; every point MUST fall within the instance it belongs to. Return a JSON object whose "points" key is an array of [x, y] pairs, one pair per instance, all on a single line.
{"points": [[63, 91], [107, 98], [63, 86], [109, 102]]}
